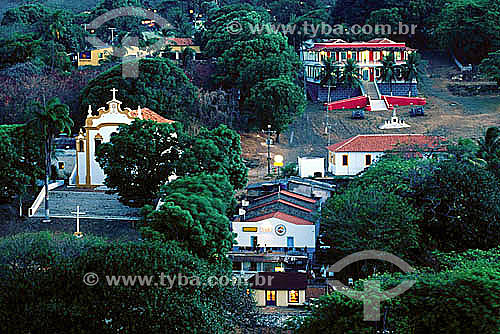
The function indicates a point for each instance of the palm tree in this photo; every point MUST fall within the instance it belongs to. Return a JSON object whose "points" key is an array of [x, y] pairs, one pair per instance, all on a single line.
{"points": [[56, 30], [350, 76], [51, 119], [411, 70], [330, 75], [388, 73]]}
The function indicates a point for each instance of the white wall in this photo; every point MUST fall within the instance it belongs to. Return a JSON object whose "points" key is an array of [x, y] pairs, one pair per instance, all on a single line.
{"points": [[303, 235], [309, 166], [355, 162]]}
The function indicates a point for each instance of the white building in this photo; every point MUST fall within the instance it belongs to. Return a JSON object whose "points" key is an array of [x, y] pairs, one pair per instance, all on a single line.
{"points": [[353, 155], [309, 167], [97, 130], [275, 230]]}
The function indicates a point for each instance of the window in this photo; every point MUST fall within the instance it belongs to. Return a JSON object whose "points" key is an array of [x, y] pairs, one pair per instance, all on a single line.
{"points": [[344, 160], [289, 242], [98, 141], [377, 72], [368, 160], [293, 296], [270, 297], [101, 55], [343, 55], [236, 265]]}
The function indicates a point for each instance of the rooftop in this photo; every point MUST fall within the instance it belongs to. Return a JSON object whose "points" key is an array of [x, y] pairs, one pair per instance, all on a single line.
{"points": [[283, 216], [149, 114], [290, 194], [387, 142]]}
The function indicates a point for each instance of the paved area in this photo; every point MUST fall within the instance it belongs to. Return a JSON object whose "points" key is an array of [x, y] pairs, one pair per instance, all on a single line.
{"points": [[95, 203]]}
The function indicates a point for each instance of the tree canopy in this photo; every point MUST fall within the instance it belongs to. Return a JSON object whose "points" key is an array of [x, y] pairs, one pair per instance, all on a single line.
{"points": [[161, 86]]}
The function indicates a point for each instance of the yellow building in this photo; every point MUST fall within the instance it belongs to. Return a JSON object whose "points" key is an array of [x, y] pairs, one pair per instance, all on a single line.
{"points": [[94, 57], [279, 288]]}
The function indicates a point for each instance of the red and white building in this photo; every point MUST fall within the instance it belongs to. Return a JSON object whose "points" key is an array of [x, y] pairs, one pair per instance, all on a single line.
{"points": [[353, 155], [368, 55]]}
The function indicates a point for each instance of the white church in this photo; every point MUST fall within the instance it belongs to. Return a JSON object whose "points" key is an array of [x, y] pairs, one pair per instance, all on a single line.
{"points": [[98, 128]]}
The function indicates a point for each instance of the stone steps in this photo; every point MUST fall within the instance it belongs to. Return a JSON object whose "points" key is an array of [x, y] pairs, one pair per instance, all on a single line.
{"points": [[95, 204]]}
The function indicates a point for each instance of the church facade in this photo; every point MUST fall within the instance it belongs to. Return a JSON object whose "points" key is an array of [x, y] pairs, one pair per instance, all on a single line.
{"points": [[99, 126]]}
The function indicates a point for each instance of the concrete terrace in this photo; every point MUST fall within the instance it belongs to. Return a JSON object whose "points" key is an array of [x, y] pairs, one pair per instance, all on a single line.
{"points": [[95, 203]]}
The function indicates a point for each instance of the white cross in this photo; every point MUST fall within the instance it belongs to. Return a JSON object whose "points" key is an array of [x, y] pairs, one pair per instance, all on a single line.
{"points": [[78, 213], [114, 90]]}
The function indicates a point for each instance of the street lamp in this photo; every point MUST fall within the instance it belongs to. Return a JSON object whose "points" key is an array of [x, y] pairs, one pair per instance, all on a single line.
{"points": [[269, 132]]}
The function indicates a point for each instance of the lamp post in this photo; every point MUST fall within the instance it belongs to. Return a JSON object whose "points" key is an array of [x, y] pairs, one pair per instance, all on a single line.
{"points": [[269, 132]]}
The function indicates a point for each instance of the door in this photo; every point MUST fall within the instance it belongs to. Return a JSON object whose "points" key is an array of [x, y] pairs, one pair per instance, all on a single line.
{"points": [[253, 241], [270, 297], [365, 74]]}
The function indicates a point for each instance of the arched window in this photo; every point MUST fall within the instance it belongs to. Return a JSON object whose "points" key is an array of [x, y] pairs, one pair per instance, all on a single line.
{"points": [[97, 140]]}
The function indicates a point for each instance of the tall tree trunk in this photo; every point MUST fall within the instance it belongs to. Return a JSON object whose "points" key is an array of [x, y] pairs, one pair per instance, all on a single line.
{"points": [[47, 171]]}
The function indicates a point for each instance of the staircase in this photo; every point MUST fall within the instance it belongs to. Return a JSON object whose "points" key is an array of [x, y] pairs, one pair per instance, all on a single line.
{"points": [[371, 90], [376, 104], [96, 204]]}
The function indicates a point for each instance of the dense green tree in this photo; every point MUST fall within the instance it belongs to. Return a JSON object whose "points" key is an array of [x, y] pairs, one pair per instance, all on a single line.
{"points": [[159, 301], [276, 101], [138, 159], [489, 150], [142, 156], [194, 213], [470, 28], [230, 24], [247, 63], [19, 49], [461, 206], [50, 118], [463, 299], [368, 217], [21, 161], [216, 151], [490, 66], [161, 86]]}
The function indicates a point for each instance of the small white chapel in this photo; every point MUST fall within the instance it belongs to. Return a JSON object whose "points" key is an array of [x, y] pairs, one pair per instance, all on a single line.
{"points": [[98, 128]]}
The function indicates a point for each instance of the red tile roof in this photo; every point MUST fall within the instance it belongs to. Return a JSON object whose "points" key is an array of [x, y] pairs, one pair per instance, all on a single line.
{"points": [[283, 216], [149, 114], [179, 41], [290, 194], [374, 43], [387, 142], [282, 202]]}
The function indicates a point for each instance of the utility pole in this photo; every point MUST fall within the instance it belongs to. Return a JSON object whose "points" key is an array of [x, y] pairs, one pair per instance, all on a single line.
{"points": [[269, 132], [112, 34]]}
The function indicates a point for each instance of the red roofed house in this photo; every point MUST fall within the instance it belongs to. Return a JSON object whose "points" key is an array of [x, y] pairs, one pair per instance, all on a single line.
{"points": [[98, 129], [368, 56], [353, 155], [176, 47]]}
